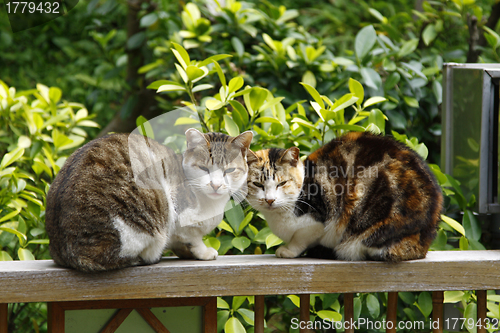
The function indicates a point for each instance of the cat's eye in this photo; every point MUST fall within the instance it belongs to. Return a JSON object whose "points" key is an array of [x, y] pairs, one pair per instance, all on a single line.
{"points": [[229, 170], [281, 184], [203, 168], [259, 185]]}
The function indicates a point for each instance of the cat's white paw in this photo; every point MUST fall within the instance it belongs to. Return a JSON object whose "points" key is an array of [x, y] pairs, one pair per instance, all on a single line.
{"points": [[284, 252], [209, 254]]}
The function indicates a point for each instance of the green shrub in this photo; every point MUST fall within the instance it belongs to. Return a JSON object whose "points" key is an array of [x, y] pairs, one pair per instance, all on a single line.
{"points": [[38, 132]]}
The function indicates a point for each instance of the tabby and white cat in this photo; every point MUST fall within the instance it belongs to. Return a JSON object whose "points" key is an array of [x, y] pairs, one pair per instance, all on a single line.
{"points": [[102, 214], [361, 196]]}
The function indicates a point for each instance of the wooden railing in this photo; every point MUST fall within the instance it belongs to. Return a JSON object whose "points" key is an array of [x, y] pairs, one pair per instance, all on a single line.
{"points": [[200, 282]]}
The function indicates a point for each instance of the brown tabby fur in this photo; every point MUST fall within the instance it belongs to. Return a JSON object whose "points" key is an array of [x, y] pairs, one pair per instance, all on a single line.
{"points": [[96, 187], [374, 197]]}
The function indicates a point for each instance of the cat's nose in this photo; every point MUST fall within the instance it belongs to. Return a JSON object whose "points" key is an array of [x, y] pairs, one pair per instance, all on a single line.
{"points": [[215, 187], [270, 201]]}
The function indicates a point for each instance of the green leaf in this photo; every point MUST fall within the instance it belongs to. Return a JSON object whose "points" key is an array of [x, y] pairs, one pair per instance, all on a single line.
{"points": [[357, 308], [453, 296], [185, 121], [347, 127], [357, 90], [262, 235], [55, 94], [377, 118], [194, 73], [373, 129], [470, 315], [437, 89], [25, 254], [411, 101], [408, 47], [135, 41], [212, 242], [429, 34], [202, 87], [304, 123], [238, 301], [230, 126], [148, 20], [245, 221], [454, 224], [371, 77], [222, 304], [240, 109], [271, 103], [39, 241], [241, 243], [11, 157], [23, 141], [463, 244], [344, 102], [374, 100], [10, 215], [145, 127], [159, 83], [4, 256], [257, 97], [233, 325], [392, 80], [267, 120], [60, 139], [248, 315], [238, 46], [220, 73], [295, 300], [22, 237], [471, 226], [364, 41], [329, 315], [273, 240], [182, 73], [235, 84], [234, 215], [181, 54], [407, 297], [309, 79], [314, 94], [213, 104], [225, 226], [425, 303], [214, 59], [373, 305]]}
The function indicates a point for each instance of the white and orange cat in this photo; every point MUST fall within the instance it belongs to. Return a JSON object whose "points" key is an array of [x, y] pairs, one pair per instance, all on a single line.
{"points": [[361, 196]]}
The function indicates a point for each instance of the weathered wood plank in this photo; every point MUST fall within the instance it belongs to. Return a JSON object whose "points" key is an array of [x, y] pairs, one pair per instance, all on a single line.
{"points": [[43, 281]]}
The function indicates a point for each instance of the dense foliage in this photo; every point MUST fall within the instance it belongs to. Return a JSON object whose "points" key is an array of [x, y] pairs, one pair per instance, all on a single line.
{"points": [[294, 77]]}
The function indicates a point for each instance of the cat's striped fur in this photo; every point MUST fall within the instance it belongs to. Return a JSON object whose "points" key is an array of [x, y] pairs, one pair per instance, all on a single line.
{"points": [[121, 200], [361, 196]]}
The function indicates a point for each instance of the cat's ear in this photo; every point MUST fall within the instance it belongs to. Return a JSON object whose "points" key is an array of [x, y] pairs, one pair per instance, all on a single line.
{"points": [[252, 157], [243, 141], [195, 138], [291, 156]]}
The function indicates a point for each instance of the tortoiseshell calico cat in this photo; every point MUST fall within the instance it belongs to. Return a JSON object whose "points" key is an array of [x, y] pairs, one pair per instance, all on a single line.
{"points": [[122, 199], [361, 196]]}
